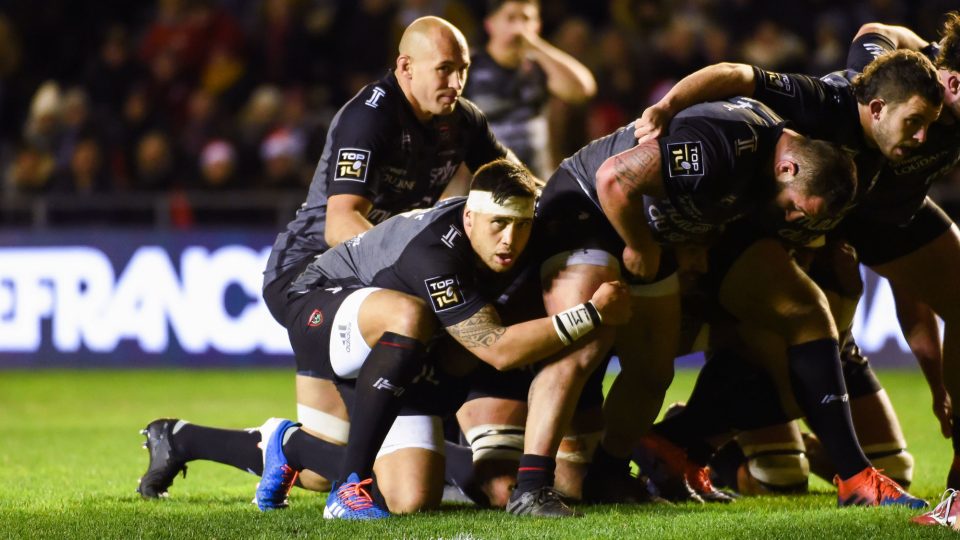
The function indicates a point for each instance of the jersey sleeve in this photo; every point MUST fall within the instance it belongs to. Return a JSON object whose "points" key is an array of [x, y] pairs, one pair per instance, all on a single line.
{"points": [[865, 49], [358, 142], [696, 164], [810, 104], [482, 145]]}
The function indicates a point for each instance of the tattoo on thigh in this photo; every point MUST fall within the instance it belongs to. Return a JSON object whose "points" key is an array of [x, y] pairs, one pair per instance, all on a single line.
{"points": [[483, 329]]}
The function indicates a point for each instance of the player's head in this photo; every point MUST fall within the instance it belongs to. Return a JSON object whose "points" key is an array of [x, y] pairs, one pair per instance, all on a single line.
{"points": [[899, 95], [498, 216], [432, 66], [948, 63], [816, 178], [507, 19]]}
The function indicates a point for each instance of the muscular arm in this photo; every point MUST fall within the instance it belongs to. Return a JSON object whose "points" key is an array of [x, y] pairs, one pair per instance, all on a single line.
{"points": [[901, 36], [509, 347], [506, 347], [346, 218], [717, 81], [622, 181], [567, 78]]}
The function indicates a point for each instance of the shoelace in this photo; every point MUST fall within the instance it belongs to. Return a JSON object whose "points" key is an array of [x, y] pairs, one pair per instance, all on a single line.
{"points": [[886, 485], [360, 499], [941, 513]]}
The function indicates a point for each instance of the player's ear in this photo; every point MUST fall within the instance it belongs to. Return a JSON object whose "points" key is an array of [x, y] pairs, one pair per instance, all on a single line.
{"points": [[787, 167], [404, 66], [876, 105], [467, 220]]}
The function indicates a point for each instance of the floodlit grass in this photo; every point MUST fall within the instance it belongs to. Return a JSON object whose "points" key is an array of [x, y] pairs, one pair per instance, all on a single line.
{"points": [[70, 458]]}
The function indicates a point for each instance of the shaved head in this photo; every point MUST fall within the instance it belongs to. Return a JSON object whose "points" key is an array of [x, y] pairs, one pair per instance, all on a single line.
{"points": [[430, 32], [432, 66]]}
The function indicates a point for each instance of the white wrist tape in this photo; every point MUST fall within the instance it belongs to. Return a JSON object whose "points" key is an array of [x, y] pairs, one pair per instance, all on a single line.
{"points": [[576, 322]]}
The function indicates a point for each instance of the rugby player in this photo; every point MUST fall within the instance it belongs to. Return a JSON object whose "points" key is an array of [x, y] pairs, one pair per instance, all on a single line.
{"points": [[734, 158], [396, 146], [516, 73], [886, 112], [390, 287]]}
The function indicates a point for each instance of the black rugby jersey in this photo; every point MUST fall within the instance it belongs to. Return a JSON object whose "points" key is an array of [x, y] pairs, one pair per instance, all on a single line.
{"points": [[513, 101], [376, 148], [826, 109], [902, 186], [715, 166], [424, 253]]}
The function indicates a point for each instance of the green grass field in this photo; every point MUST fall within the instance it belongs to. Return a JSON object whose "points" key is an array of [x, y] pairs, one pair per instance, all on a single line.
{"points": [[70, 458]]}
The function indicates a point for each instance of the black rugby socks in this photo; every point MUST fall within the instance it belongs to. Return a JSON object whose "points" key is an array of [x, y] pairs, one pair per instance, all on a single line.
{"points": [[817, 381], [234, 447], [384, 377], [533, 473], [304, 451]]}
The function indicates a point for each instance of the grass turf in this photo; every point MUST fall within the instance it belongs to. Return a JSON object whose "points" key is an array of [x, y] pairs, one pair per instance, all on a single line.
{"points": [[70, 460]]}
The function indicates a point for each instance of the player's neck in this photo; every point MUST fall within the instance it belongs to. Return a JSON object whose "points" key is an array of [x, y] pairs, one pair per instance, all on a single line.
{"points": [[504, 55], [422, 116], [866, 120]]}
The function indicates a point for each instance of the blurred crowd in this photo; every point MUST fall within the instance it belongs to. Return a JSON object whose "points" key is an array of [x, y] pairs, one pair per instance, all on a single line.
{"points": [[113, 96]]}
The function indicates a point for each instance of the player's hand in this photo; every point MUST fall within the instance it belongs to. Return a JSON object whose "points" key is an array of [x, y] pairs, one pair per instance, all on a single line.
{"points": [[651, 123], [643, 264], [612, 300], [943, 410]]}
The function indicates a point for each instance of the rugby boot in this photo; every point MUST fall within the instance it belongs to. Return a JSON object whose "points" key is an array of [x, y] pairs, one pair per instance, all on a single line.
{"points": [[278, 477], [699, 480], [945, 514], [165, 464], [351, 500], [618, 489], [870, 487], [666, 465], [542, 502]]}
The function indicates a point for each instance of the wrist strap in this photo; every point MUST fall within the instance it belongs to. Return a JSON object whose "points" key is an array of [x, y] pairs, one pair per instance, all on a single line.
{"points": [[931, 50], [576, 322]]}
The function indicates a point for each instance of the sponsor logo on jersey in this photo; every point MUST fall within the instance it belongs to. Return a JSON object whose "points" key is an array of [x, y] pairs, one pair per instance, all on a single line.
{"points": [[444, 292], [779, 83], [352, 164], [450, 236], [373, 100], [686, 158], [315, 319], [443, 173]]}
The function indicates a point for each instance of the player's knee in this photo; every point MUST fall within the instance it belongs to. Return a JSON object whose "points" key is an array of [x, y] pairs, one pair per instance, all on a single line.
{"points": [[896, 462], [410, 317], [578, 448], [807, 320], [774, 468]]}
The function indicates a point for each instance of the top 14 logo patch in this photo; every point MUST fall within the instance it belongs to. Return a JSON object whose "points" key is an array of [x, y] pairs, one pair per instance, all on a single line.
{"points": [[686, 158], [444, 292], [315, 319], [352, 164]]}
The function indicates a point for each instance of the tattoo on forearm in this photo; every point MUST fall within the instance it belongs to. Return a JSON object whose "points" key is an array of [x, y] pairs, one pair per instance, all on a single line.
{"points": [[482, 330], [632, 169]]}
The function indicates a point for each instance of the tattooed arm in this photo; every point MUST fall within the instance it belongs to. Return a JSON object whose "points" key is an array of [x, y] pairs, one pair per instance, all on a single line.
{"points": [[509, 347], [622, 182]]}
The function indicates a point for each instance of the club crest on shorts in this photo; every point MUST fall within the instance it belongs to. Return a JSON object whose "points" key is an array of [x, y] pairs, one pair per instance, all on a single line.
{"points": [[686, 158], [352, 164], [444, 292], [315, 319]]}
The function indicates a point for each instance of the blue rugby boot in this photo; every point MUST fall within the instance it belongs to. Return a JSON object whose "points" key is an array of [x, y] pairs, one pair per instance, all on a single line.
{"points": [[278, 477], [350, 500]]}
